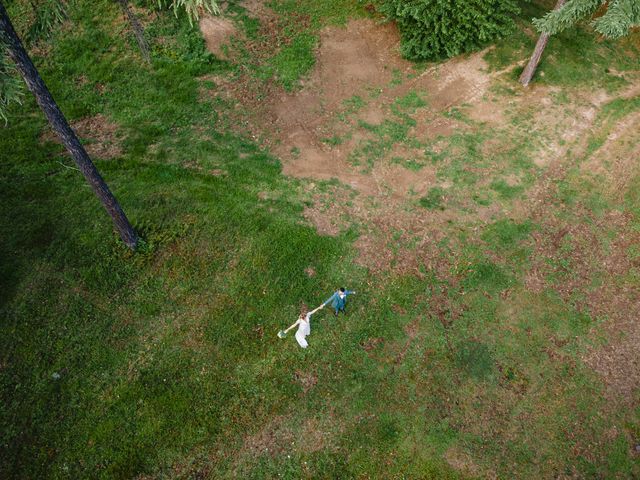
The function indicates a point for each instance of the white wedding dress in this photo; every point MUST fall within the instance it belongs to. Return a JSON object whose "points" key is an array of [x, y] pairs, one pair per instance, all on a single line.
{"points": [[304, 329]]}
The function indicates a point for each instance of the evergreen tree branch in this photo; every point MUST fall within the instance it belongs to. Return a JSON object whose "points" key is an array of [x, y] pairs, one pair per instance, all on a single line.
{"points": [[558, 20], [621, 16]]}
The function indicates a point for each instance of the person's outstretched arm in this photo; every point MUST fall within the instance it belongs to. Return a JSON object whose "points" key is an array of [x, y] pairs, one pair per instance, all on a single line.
{"points": [[350, 292], [292, 326], [328, 300], [319, 308]]}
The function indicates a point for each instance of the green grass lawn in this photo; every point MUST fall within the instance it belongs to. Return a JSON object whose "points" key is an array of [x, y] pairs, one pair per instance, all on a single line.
{"points": [[165, 363]]}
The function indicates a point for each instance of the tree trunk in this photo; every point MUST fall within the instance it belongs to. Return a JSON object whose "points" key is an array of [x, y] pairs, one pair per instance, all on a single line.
{"points": [[59, 124], [137, 30], [530, 70]]}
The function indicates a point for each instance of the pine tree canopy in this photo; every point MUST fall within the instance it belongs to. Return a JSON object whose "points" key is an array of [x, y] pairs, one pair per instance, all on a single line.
{"points": [[620, 16], [433, 29]]}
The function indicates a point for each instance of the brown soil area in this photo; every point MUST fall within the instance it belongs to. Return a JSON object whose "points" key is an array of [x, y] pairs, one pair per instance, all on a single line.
{"points": [[280, 435], [463, 462], [351, 61], [217, 32]]}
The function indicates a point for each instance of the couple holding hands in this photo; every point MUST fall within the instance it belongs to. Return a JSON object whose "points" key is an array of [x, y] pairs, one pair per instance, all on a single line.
{"points": [[338, 301]]}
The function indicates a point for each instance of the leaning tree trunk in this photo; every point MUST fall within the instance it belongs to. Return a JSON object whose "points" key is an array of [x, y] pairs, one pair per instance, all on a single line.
{"points": [[137, 29], [530, 69], [59, 124]]}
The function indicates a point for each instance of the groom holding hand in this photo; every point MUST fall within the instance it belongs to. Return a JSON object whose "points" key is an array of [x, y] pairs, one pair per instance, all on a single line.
{"points": [[339, 300]]}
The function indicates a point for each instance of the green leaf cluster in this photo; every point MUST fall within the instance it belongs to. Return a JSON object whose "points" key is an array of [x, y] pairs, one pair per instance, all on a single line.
{"points": [[433, 29]]}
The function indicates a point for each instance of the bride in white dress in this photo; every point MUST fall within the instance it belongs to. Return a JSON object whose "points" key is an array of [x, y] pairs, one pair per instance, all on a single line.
{"points": [[304, 327]]}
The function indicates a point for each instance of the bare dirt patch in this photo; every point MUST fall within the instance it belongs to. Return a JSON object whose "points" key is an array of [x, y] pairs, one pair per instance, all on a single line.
{"points": [[462, 462], [98, 134], [306, 380], [329, 212], [255, 8], [361, 58], [282, 434], [217, 33], [271, 440], [361, 61]]}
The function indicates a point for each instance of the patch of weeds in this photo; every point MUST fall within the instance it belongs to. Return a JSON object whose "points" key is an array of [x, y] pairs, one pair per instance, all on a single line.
{"points": [[295, 151], [455, 113], [633, 252], [505, 237], [350, 106], [433, 199], [486, 276], [387, 134], [503, 90], [481, 200], [561, 264], [460, 173], [396, 78], [294, 60], [374, 92], [408, 163], [514, 378], [411, 101], [578, 57], [567, 192], [251, 25], [466, 159], [505, 190], [434, 156], [387, 428], [334, 12], [597, 203], [560, 98], [506, 233], [476, 359], [618, 459], [579, 322], [353, 104], [335, 140]]}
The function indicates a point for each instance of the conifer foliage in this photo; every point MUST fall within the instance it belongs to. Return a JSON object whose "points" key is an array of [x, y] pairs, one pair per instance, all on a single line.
{"points": [[434, 29], [616, 21]]}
